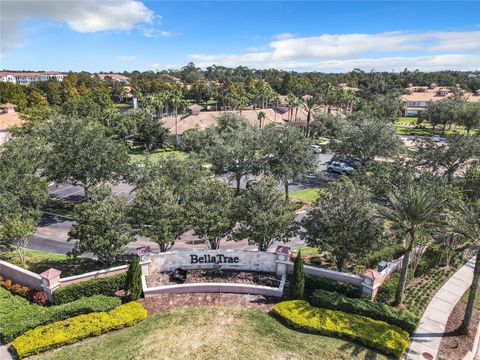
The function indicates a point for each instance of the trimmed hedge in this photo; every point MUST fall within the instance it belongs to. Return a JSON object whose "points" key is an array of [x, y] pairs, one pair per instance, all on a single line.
{"points": [[313, 283], [29, 316], [387, 253], [378, 311], [102, 286], [378, 335], [77, 328]]}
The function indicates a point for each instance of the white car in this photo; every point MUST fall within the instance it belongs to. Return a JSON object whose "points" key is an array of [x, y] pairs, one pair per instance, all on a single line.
{"points": [[316, 149], [339, 167], [436, 138]]}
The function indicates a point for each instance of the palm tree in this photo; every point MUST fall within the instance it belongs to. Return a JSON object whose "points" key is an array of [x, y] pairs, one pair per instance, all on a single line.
{"points": [[310, 104], [176, 97], [412, 211], [261, 116], [293, 103], [468, 226]]}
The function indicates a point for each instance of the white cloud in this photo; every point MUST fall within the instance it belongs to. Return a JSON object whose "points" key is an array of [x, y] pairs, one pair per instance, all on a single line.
{"points": [[333, 52], [165, 66], [153, 32], [126, 57], [284, 36], [83, 16]]}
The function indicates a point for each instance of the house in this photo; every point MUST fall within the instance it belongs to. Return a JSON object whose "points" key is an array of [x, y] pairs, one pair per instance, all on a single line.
{"points": [[8, 118], [26, 77], [417, 98], [116, 77]]}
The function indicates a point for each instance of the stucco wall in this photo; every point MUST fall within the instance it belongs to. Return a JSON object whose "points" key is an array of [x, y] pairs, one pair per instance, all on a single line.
{"points": [[20, 276]]}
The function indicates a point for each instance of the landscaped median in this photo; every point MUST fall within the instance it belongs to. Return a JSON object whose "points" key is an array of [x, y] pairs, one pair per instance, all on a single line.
{"points": [[376, 334], [77, 328]]}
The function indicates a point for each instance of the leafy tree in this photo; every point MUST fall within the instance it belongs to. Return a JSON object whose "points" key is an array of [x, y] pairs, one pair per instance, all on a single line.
{"points": [[159, 214], [325, 125], [263, 215], [82, 154], [101, 226], [13, 93], [211, 212], [414, 212], [344, 222], [448, 158], [471, 183], [385, 108], [152, 133], [469, 116], [439, 113], [15, 229], [297, 284], [364, 138], [468, 226], [133, 280], [35, 99], [286, 154]]}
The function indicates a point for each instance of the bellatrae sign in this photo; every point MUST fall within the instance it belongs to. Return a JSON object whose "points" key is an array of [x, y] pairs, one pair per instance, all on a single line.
{"points": [[214, 259]]}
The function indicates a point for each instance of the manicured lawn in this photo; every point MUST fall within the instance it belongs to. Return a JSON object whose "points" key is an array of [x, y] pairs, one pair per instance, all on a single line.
{"points": [[139, 155], [308, 195], [477, 299], [406, 120], [212, 333], [39, 261], [306, 250]]}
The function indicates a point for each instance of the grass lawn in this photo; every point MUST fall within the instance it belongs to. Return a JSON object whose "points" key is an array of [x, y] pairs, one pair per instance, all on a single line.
{"points": [[477, 299], [306, 250], [406, 120], [212, 333], [138, 154], [308, 195], [39, 261]]}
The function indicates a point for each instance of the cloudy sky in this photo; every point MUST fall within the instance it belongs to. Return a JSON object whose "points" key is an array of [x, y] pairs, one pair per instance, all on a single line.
{"points": [[117, 35]]}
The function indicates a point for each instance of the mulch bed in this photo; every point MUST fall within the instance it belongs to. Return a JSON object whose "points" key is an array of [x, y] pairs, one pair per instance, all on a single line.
{"points": [[216, 276], [172, 301], [453, 346]]}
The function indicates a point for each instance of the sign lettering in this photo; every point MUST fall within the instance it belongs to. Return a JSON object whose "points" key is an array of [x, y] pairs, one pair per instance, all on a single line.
{"points": [[214, 259]]}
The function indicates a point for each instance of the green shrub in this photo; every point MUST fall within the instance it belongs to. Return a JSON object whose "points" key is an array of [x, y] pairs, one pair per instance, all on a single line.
{"points": [[133, 280], [386, 292], [430, 259], [77, 328], [297, 282], [378, 335], [313, 283], [388, 253], [378, 311], [29, 316], [101, 286]]}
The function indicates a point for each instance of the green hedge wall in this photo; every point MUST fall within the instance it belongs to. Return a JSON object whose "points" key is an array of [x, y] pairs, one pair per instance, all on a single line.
{"points": [[102, 286], [30, 316], [376, 334], [77, 328], [378, 311], [313, 283]]}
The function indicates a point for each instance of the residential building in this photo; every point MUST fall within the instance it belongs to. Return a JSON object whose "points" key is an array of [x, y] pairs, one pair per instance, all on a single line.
{"points": [[8, 118], [26, 78], [116, 77], [417, 98]]}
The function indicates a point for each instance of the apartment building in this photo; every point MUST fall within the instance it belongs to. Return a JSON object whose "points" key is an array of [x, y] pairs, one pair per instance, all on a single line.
{"points": [[26, 78]]}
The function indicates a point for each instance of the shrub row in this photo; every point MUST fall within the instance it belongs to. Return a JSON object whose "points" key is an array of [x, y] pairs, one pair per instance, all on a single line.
{"points": [[37, 296], [313, 283], [387, 253], [101, 286], [30, 316], [378, 335], [77, 328], [378, 311]]}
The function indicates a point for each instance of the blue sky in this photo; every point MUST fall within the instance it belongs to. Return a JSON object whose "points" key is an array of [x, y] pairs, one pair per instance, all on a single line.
{"points": [[324, 36]]}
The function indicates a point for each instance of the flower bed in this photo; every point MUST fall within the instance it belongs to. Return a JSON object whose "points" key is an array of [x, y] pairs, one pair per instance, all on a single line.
{"points": [[216, 276], [77, 328], [376, 334]]}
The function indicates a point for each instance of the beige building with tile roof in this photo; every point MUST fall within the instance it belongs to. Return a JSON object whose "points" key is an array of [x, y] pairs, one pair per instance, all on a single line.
{"points": [[8, 118], [418, 97]]}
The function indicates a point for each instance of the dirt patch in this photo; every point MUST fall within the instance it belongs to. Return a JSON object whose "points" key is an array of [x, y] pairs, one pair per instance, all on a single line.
{"points": [[216, 276], [454, 346], [171, 301]]}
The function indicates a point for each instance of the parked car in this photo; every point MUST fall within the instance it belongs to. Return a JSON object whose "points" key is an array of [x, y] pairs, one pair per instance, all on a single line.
{"points": [[339, 167], [316, 149], [436, 138]]}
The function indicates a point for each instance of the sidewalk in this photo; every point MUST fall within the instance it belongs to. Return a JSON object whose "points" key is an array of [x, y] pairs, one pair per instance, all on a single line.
{"points": [[426, 340]]}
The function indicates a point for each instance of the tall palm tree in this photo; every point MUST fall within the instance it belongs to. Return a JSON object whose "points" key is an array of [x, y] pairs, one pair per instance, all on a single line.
{"points": [[261, 116], [468, 226], [310, 104], [176, 97], [293, 104], [412, 211]]}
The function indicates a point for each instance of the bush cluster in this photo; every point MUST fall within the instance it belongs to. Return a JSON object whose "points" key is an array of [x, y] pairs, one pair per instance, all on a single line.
{"points": [[378, 311], [101, 286], [430, 259], [378, 335], [77, 328], [388, 253], [313, 283], [29, 316], [37, 296]]}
